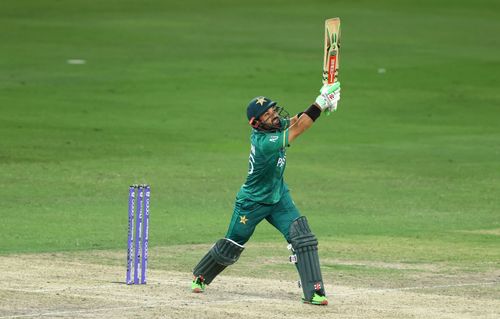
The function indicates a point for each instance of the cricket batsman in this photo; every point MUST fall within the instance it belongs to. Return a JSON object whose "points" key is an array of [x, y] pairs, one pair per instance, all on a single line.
{"points": [[265, 195]]}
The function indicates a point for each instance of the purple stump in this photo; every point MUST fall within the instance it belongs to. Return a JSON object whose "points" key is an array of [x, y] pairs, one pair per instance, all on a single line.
{"points": [[138, 222], [131, 200], [145, 235]]}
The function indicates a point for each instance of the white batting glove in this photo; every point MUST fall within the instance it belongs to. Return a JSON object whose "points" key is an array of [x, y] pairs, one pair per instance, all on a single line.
{"points": [[329, 97]]}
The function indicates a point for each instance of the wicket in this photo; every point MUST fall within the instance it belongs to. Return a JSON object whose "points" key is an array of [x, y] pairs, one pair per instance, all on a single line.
{"points": [[138, 245]]}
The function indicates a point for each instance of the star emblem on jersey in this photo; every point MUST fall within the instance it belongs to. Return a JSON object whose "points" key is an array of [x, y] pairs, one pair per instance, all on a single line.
{"points": [[261, 101], [243, 220]]}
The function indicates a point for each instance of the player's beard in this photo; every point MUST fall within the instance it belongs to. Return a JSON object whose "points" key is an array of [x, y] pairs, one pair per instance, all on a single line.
{"points": [[270, 125], [275, 124]]}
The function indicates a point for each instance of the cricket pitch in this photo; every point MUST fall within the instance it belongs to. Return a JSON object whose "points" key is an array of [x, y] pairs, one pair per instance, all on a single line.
{"points": [[68, 285]]}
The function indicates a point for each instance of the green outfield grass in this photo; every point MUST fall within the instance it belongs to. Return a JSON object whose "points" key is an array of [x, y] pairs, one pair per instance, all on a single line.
{"points": [[411, 158]]}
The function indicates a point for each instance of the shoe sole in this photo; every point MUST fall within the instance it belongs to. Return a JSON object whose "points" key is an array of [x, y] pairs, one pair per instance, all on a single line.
{"points": [[197, 290], [323, 303]]}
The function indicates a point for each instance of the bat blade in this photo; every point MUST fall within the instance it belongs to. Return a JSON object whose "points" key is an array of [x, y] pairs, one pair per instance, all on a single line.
{"points": [[332, 51]]}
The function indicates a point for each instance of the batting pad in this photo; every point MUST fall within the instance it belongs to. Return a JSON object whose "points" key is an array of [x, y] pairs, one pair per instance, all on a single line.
{"points": [[223, 253], [305, 245]]}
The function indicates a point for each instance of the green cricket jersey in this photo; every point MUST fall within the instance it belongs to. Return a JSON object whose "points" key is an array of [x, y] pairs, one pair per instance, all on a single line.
{"points": [[267, 162]]}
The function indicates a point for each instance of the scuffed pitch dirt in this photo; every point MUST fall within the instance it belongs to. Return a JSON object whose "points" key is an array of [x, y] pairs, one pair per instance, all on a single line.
{"points": [[61, 286]]}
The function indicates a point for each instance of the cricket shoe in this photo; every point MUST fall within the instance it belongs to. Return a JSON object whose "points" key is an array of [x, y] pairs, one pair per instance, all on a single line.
{"points": [[198, 284], [317, 299]]}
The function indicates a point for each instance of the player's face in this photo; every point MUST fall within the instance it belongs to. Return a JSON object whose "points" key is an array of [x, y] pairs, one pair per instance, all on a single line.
{"points": [[270, 118]]}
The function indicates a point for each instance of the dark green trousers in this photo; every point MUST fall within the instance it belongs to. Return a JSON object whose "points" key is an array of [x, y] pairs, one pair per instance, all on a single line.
{"points": [[248, 214]]}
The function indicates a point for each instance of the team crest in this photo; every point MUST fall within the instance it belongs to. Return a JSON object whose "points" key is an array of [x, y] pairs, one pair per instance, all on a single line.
{"points": [[261, 101], [243, 220]]}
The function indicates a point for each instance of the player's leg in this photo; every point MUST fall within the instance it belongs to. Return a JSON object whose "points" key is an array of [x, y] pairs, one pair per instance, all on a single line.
{"points": [[305, 247], [246, 216], [283, 215], [226, 251], [286, 218], [223, 253]]}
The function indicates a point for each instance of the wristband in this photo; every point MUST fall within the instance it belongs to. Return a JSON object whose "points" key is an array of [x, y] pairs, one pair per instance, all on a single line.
{"points": [[313, 112]]}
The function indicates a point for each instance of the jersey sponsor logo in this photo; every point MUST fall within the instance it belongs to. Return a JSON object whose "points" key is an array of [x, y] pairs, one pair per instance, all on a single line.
{"points": [[273, 138]]}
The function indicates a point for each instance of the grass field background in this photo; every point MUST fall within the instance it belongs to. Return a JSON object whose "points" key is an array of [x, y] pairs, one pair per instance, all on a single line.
{"points": [[408, 169]]}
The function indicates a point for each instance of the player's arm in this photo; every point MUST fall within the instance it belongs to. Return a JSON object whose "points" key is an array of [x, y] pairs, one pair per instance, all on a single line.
{"points": [[328, 99], [294, 119], [303, 121]]}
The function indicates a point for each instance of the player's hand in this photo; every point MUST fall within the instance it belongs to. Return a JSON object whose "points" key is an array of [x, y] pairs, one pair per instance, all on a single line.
{"points": [[329, 97]]}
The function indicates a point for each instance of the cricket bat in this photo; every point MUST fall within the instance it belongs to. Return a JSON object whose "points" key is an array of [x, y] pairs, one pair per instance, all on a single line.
{"points": [[332, 51]]}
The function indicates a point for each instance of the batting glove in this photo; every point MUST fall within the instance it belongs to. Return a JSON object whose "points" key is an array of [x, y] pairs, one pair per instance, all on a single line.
{"points": [[329, 97]]}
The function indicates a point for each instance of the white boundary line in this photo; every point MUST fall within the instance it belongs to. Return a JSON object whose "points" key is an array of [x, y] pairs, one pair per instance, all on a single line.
{"points": [[197, 302]]}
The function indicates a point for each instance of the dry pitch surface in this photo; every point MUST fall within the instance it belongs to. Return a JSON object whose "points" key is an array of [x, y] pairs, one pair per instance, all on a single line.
{"points": [[76, 285]]}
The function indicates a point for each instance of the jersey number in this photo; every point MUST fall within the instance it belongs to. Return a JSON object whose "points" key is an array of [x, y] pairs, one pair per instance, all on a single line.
{"points": [[251, 160]]}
